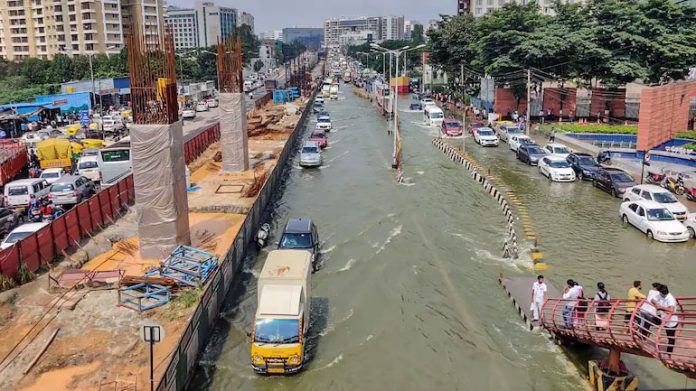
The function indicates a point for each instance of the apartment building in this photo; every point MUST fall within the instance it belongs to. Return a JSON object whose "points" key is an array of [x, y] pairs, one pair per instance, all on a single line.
{"points": [[276, 35], [349, 31], [43, 28], [482, 7], [246, 18], [202, 25]]}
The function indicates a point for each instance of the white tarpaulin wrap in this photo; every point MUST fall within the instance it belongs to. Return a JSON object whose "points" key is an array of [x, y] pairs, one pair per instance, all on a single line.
{"points": [[234, 142], [159, 176]]}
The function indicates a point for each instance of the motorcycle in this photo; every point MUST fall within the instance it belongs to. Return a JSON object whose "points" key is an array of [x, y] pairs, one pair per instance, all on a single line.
{"points": [[654, 178], [676, 186], [691, 194], [262, 235], [35, 215]]}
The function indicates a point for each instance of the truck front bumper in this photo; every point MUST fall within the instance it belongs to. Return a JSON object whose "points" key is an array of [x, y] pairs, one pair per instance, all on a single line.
{"points": [[276, 369]]}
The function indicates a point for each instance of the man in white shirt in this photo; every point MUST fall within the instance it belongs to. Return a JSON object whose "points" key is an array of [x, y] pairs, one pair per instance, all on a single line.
{"points": [[571, 293], [667, 305], [538, 296], [648, 312]]}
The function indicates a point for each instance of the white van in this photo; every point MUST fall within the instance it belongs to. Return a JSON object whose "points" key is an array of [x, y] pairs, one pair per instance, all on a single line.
{"points": [[433, 115], [88, 167], [18, 193], [115, 162]]}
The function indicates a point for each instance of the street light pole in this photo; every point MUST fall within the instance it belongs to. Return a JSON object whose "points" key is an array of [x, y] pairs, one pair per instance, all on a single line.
{"points": [[461, 80]]}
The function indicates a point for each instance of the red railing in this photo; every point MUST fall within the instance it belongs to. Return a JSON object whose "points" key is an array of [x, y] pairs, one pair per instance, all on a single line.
{"points": [[627, 326], [86, 217]]}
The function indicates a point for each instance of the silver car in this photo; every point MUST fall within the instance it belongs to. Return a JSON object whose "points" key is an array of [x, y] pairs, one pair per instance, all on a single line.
{"points": [[310, 156], [71, 189]]}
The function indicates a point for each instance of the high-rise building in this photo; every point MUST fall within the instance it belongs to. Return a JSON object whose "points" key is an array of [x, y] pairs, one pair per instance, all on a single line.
{"points": [[408, 28], [43, 28], [276, 35], [202, 25], [482, 7], [351, 31], [246, 18], [311, 37]]}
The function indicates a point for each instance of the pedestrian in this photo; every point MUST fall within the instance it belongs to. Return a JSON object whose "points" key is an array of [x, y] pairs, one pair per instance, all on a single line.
{"points": [[541, 115], [552, 137], [634, 296], [648, 312], [2, 133], [666, 304], [602, 306], [515, 116], [538, 296], [571, 293]]}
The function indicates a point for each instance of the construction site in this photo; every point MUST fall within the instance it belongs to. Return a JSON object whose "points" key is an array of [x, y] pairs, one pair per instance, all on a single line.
{"points": [[168, 252]]}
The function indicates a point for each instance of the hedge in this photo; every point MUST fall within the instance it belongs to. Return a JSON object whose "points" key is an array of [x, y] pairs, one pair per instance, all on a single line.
{"points": [[607, 129], [691, 135]]}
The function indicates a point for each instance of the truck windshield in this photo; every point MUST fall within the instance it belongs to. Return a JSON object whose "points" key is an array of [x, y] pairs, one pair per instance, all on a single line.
{"points": [[296, 240], [277, 331]]}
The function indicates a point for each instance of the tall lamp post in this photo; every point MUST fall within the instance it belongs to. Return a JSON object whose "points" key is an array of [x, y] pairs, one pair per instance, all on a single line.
{"points": [[94, 90], [397, 53]]}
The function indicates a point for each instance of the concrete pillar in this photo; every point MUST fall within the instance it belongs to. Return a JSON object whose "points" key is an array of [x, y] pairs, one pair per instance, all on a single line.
{"points": [[234, 140], [159, 175], [611, 375]]}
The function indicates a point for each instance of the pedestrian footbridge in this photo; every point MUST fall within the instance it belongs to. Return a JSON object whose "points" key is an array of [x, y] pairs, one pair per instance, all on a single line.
{"points": [[621, 327]]}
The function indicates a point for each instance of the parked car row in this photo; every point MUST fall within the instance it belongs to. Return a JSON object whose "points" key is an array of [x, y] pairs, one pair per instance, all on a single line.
{"points": [[651, 209]]}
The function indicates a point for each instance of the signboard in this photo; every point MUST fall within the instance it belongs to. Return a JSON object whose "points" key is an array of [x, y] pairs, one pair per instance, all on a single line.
{"points": [[60, 102], [84, 118]]}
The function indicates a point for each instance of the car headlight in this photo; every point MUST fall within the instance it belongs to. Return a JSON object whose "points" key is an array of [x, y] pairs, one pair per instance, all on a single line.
{"points": [[586, 173], [257, 359], [294, 359], [661, 232]]}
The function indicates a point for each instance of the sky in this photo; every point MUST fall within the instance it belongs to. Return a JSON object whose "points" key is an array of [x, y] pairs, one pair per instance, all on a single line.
{"points": [[276, 14]]}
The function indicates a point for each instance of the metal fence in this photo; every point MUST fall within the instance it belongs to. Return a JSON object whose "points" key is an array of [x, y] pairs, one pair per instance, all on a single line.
{"points": [[87, 217]]}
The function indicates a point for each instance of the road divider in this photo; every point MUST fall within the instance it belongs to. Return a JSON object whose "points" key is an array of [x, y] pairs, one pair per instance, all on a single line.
{"points": [[490, 185]]}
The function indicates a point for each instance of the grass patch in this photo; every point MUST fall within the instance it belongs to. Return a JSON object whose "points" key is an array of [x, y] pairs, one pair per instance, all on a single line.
{"points": [[691, 135], [603, 129], [24, 275], [691, 146], [6, 283], [183, 300]]}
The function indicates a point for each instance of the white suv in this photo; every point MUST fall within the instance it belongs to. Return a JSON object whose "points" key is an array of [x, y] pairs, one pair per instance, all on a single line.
{"points": [[659, 195]]}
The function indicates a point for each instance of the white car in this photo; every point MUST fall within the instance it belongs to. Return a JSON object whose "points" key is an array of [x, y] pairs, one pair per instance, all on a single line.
{"points": [[505, 131], [188, 113], [51, 175], [426, 101], [212, 103], [556, 168], [557, 149], [324, 122], [20, 233], [516, 140], [111, 124], [202, 106], [690, 224], [654, 220], [310, 155], [88, 167], [486, 136], [660, 195]]}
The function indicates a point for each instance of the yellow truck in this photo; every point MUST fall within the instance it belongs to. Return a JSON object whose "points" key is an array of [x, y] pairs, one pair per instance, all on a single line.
{"points": [[57, 152], [278, 340]]}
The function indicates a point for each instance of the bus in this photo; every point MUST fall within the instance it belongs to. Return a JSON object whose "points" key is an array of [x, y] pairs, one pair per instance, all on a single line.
{"points": [[115, 162]]}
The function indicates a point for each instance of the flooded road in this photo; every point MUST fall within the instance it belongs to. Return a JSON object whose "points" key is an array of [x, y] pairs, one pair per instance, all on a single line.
{"points": [[407, 296]]}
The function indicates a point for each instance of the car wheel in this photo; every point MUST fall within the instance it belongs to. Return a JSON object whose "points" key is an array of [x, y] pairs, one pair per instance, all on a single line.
{"points": [[692, 233], [579, 176], [613, 192], [650, 235], [625, 220]]}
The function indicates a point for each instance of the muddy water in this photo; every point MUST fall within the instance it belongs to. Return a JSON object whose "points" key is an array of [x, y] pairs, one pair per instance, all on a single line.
{"points": [[407, 297]]}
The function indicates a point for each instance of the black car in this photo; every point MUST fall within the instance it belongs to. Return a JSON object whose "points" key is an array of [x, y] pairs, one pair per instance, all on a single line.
{"points": [[613, 181], [9, 220], [530, 154], [301, 234], [584, 165]]}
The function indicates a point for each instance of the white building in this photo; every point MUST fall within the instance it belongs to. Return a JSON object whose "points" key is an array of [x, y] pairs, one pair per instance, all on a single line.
{"points": [[408, 28], [482, 7], [363, 28], [392, 28], [202, 25], [246, 18], [276, 35]]}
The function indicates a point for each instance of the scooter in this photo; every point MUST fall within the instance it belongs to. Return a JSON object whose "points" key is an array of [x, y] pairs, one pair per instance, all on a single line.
{"points": [[654, 178], [262, 235], [676, 186], [691, 194], [35, 215]]}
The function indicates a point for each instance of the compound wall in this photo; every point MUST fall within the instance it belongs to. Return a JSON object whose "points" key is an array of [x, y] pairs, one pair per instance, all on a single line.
{"points": [[664, 111]]}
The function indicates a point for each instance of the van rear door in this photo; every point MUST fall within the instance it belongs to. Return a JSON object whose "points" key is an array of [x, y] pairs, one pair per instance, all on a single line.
{"points": [[17, 195]]}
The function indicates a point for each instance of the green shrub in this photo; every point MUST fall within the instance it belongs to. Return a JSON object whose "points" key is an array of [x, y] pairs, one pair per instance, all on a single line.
{"points": [[6, 283], [24, 275], [690, 146], [691, 135], [606, 129]]}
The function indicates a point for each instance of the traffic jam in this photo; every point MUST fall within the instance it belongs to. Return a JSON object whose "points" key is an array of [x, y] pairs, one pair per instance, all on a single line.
{"points": [[654, 207]]}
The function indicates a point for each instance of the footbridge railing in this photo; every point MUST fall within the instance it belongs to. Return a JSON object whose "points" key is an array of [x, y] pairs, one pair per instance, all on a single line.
{"points": [[628, 326]]}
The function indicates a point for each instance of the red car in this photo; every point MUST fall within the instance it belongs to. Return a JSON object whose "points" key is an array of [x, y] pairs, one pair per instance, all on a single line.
{"points": [[320, 137], [475, 125], [451, 128]]}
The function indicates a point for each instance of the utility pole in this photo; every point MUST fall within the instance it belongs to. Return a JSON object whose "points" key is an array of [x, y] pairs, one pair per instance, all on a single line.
{"points": [[463, 109], [529, 100], [423, 75], [395, 163]]}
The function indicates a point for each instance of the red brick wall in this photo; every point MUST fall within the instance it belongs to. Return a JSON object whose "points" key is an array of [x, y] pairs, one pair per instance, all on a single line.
{"points": [[552, 101], [664, 111], [505, 102], [617, 102]]}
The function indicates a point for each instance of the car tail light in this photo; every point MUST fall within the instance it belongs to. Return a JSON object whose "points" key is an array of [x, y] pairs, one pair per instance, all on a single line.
{"points": [[74, 194]]}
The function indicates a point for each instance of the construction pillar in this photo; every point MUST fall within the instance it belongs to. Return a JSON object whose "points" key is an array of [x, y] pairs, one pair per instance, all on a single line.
{"points": [[160, 188], [611, 374], [234, 140]]}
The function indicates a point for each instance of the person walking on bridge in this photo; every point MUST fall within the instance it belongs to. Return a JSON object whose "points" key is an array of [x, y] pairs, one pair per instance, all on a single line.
{"points": [[602, 307], [538, 296], [571, 293], [648, 312], [666, 304], [634, 296]]}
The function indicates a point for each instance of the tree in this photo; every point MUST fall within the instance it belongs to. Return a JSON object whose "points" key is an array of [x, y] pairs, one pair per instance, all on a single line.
{"points": [[250, 43], [258, 65], [417, 34]]}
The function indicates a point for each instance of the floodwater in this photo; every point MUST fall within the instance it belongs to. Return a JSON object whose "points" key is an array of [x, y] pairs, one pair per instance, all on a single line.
{"points": [[407, 296]]}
